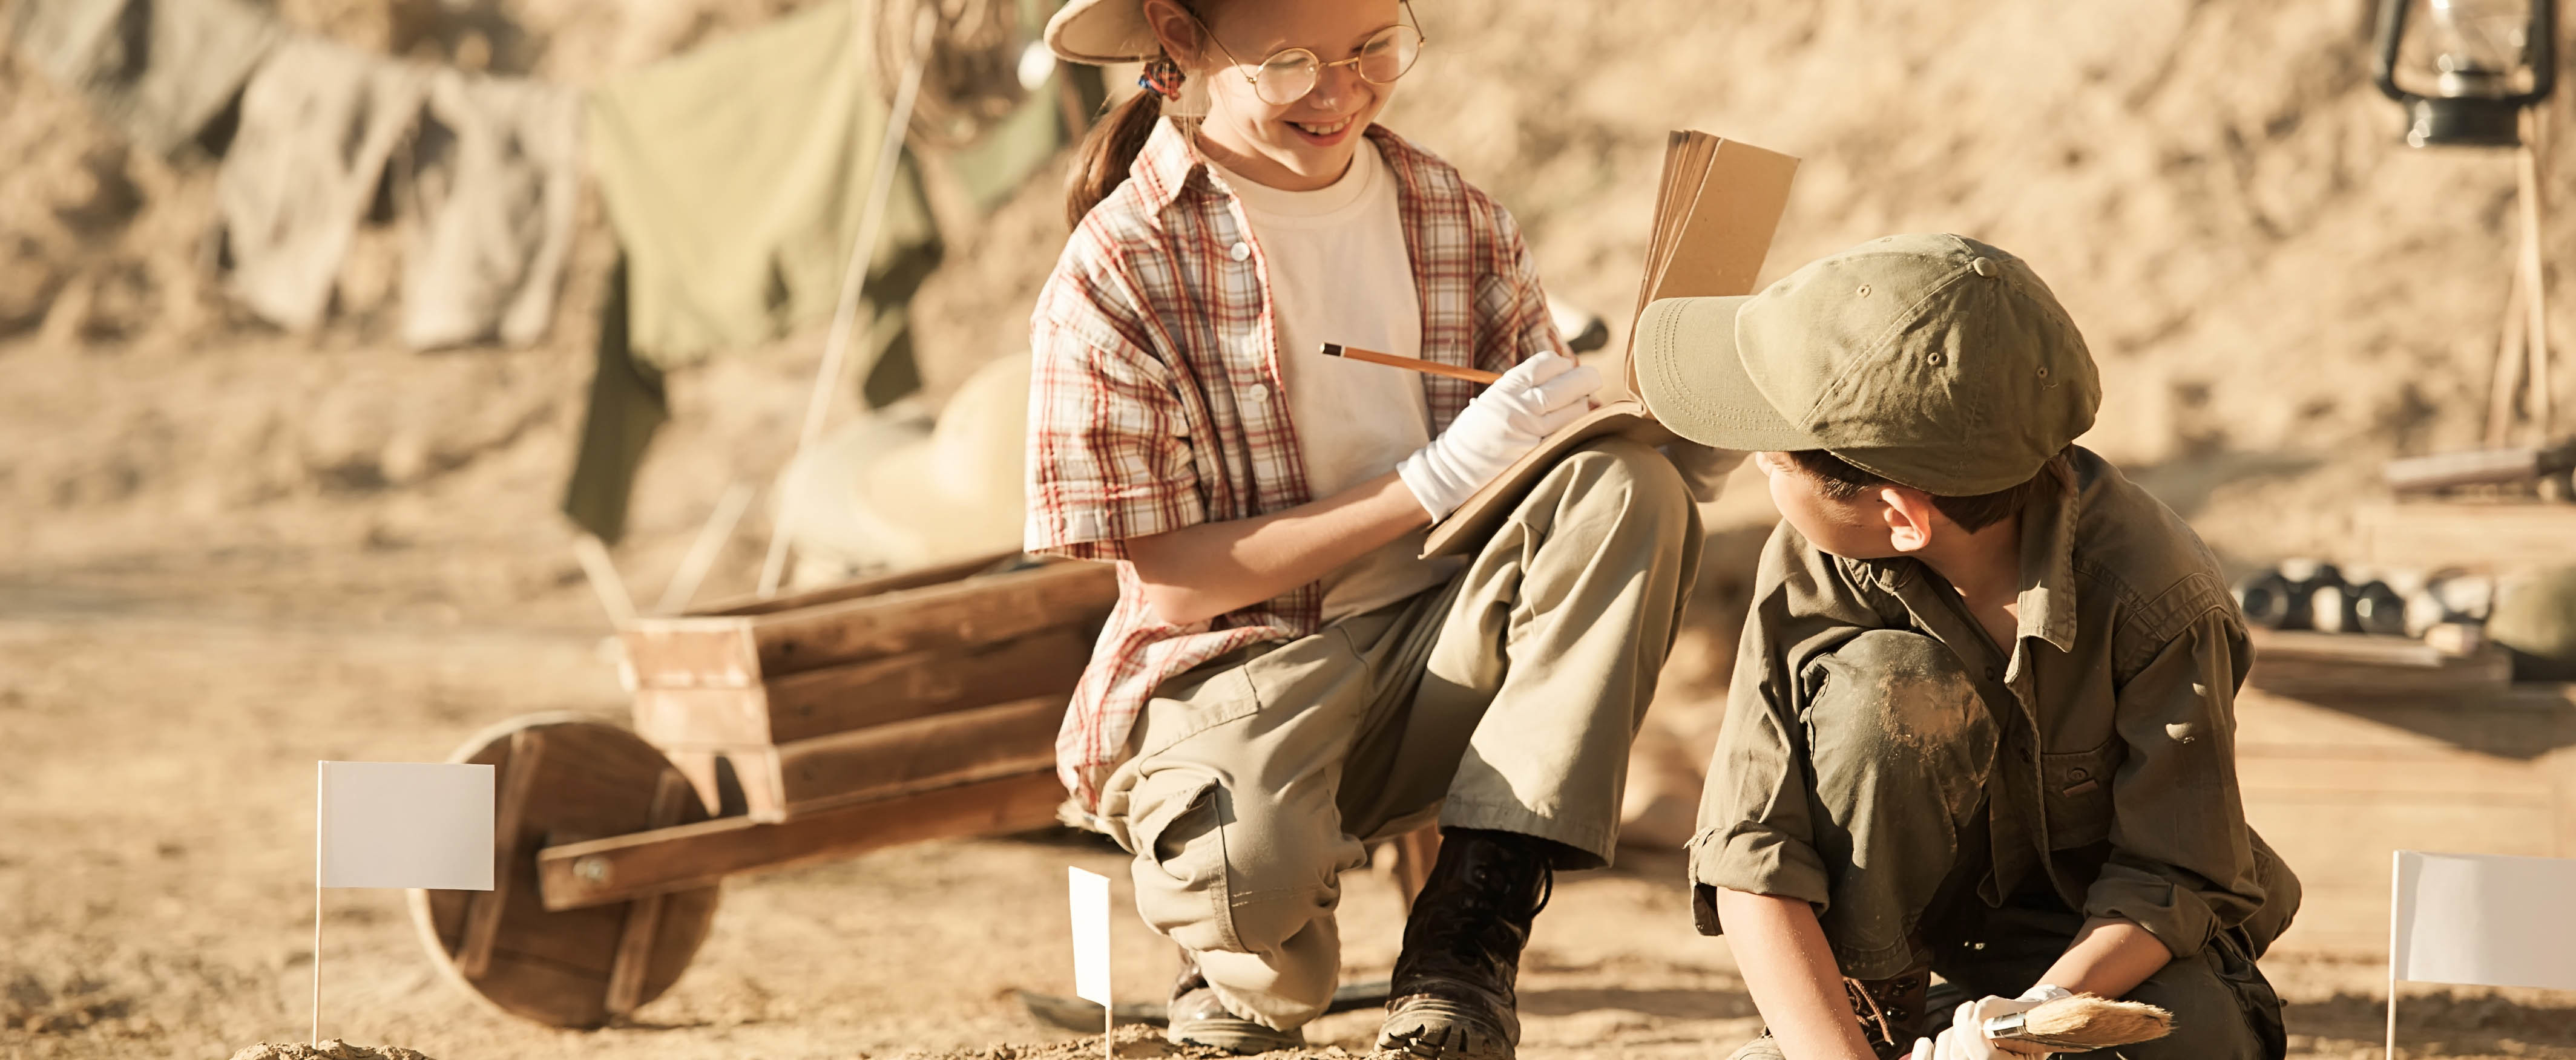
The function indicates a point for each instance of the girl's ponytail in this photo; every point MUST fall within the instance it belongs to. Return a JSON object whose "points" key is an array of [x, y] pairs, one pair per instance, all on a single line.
{"points": [[1108, 152]]}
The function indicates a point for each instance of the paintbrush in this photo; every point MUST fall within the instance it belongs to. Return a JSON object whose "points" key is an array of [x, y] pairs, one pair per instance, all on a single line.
{"points": [[2083, 1022], [1472, 375]]}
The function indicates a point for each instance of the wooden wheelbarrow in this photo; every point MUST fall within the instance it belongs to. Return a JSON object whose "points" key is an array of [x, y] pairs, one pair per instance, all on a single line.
{"points": [[770, 733]]}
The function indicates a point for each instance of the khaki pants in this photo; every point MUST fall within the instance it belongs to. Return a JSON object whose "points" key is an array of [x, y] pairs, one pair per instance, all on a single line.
{"points": [[1505, 700]]}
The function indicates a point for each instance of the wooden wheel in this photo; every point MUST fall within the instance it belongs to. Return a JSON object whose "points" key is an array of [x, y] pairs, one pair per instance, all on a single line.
{"points": [[565, 778]]}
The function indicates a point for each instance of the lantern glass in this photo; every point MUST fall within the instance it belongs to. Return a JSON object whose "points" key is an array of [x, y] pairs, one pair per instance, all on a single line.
{"points": [[2477, 47]]}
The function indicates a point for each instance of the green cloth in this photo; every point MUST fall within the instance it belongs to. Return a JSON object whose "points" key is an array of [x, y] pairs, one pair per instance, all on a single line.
{"points": [[736, 176], [627, 404], [2107, 749]]}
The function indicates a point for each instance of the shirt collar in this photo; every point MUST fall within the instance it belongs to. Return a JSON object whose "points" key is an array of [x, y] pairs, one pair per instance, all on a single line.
{"points": [[1166, 164], [2047, 601]]}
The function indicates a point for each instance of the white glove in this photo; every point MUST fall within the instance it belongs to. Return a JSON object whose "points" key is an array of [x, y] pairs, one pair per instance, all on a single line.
{"points": [[1508, 420], [1966, 1039]]}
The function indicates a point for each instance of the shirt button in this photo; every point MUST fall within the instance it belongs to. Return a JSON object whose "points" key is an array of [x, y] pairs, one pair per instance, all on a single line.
{"points": [[1258, 392], [1240, 251]]}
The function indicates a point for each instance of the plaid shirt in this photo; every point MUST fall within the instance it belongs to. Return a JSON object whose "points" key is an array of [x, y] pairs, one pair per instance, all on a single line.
{"points": [[1156, 402]]}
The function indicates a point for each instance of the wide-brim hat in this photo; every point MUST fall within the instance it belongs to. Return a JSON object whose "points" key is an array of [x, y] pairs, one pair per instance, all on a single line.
{"points": [[890, 492], [1101, 32]]}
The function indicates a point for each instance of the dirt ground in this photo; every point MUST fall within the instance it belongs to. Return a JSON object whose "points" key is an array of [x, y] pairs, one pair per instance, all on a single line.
{"points": [[226, 552]]}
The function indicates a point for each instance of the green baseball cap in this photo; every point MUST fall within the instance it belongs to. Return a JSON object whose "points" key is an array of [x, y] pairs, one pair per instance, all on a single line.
{"points": [[1933, 361]]}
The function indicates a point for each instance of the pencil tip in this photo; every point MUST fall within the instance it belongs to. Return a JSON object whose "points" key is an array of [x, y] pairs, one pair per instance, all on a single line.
{"points": [[1332, 349]]}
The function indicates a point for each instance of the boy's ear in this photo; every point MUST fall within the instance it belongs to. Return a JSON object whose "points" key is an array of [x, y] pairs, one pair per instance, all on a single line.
{"points": [[1909, 515]]}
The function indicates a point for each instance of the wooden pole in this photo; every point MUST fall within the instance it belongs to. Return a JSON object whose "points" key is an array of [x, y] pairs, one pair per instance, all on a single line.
{"points": [[836, 345], [2505, 383], [2536, 395], [317, 952], [604, 582], [704, 551]]}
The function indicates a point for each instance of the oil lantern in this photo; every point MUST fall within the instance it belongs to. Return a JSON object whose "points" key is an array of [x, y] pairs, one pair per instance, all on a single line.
{"points": [[2471, 68]]}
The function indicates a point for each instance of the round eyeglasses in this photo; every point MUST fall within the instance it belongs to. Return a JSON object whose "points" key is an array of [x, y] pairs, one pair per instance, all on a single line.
{"points": [[1288, 74]]}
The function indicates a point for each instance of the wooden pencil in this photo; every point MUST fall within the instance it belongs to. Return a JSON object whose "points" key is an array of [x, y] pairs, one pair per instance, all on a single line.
{"points": [[1472, 375]]}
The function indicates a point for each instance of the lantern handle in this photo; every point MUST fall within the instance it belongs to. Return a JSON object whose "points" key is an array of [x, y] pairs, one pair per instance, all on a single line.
{"points": [[2392, 29], [2542, 42]]}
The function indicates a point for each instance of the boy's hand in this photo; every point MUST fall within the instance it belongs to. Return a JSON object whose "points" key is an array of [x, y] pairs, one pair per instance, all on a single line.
{"points": [[1509, 419], [1966, 1039]]}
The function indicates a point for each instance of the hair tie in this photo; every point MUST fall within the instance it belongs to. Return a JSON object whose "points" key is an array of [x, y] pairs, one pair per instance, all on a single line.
{"points": [[1162, 77]]}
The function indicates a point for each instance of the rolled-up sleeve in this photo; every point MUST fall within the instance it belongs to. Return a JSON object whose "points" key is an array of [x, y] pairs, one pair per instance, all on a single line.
{"points": [[1109, 452], [1756, 824], [2182, 862]]}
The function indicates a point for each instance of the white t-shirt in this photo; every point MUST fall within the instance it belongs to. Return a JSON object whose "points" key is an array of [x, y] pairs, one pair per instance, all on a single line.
{"points": [[1339, 273]]}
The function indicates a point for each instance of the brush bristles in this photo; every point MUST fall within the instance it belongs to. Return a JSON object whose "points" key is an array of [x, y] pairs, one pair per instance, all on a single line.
{"points": [[2099, 1023]]}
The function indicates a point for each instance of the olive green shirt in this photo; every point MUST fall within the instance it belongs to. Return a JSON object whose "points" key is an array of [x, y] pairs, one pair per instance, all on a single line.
{"points": [[2115, 780]]}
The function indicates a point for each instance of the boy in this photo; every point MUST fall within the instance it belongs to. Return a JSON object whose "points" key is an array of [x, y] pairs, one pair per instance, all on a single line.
{"points": [[1981, 723]]}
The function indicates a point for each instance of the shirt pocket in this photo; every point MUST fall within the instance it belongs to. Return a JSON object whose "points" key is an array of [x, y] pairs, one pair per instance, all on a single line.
{"points": [[2077, 787]]}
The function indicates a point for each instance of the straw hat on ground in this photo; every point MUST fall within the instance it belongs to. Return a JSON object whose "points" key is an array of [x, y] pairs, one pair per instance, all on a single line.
{"points": [[891, 491]]}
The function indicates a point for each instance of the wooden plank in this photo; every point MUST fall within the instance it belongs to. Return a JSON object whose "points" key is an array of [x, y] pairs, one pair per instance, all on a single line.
{"points": [[2493, 537], [955, 615], [825, 702], [764, 798], [912, 579], [483, 916], [676, 719], [635, 939], [690, 653], [2336, 783], [2311, 664], [700, 768], [622, 868], [918, 684], [939, 751]]}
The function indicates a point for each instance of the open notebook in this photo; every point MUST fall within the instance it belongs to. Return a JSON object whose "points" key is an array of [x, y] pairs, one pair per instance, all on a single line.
{"points": [[1715, 212]]}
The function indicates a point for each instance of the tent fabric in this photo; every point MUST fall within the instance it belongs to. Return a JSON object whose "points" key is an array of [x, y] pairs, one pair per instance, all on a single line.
{"points": [[158, 69], [318, 122], [627, 405], [736, 176], [495, 179]]}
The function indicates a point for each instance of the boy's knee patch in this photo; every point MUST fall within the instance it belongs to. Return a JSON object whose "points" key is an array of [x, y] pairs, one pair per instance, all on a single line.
{"points": [[1897, 693]]}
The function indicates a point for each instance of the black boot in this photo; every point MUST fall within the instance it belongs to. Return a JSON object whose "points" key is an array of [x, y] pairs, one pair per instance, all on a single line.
{"points": [[1451, 997]]}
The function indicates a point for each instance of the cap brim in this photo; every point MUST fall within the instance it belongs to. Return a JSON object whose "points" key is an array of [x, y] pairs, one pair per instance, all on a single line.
{"points": [[1693, 379]]}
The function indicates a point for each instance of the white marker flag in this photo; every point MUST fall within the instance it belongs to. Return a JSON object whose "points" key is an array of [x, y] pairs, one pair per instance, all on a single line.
{"points": [[1090, 892], [405, 824], [2484, 919]]}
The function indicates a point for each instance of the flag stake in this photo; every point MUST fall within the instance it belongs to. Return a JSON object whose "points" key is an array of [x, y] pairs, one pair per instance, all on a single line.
{"points": [[321, 835], [2396, 859]]}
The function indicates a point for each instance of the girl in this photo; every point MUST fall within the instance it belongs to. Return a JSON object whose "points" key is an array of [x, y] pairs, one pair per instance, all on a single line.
{"points": [[1285, 676]]}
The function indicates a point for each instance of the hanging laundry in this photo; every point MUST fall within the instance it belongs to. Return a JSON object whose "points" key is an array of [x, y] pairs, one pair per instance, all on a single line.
{"points": [[736, 176], [317, 123], [158, 69], [494, 176]]}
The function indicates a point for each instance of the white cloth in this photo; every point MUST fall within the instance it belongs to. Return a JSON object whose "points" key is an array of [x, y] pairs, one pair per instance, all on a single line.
{"points": [[496, 179], [1338, 272]]}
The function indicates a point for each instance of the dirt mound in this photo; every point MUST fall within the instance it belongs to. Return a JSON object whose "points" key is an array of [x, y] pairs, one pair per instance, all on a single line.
{"points": [[334, 1049]]}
